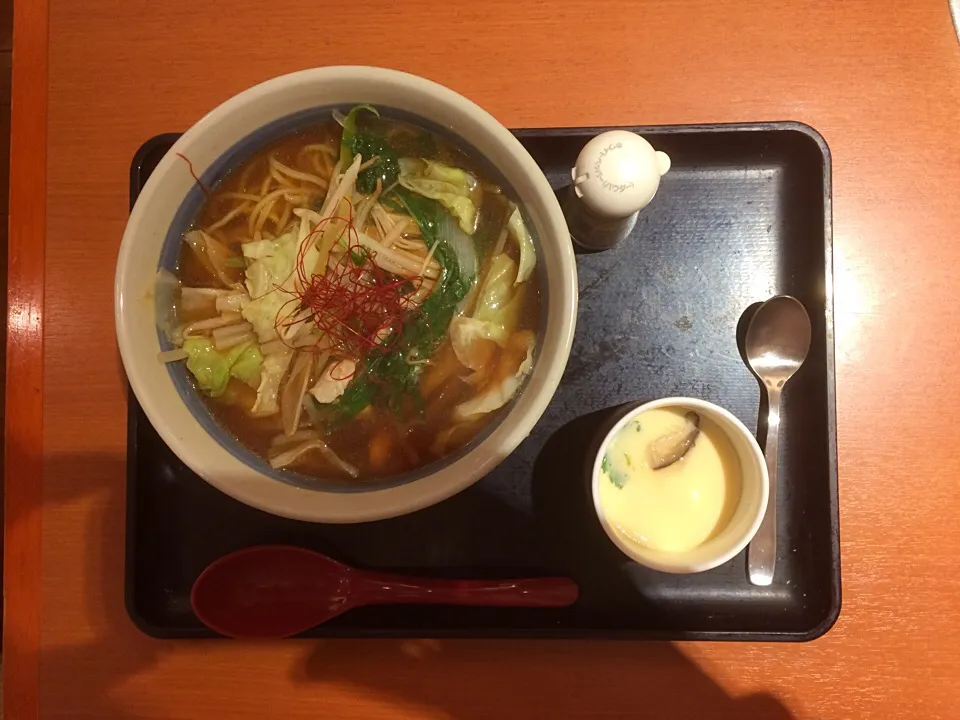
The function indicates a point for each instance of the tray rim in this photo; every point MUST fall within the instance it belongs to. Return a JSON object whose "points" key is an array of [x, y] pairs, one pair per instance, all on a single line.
{"points": [[836, 597]]}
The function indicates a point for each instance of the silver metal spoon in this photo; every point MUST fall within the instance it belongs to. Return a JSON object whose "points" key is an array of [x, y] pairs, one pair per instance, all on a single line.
{"points": [[777, 343]]}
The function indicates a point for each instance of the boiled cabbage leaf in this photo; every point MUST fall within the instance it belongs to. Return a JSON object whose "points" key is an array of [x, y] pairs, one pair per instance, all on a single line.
{"points": [[475, 341], [495, 318], [497, 291], [516, 361], [271, 265], [213, 369], [446, 173], [271, 374], [246, 367], [528, 254], [452, 187]]}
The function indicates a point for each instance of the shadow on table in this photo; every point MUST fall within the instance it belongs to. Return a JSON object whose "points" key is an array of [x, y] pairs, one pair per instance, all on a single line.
{"points": [[463, 680], [118, 651], [480, 680]]}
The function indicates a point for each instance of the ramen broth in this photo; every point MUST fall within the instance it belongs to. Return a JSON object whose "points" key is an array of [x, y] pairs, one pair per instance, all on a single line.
{"points": [[362, 337]]}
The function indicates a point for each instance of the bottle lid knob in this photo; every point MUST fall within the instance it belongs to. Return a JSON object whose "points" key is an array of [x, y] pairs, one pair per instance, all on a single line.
{"points": [[618, 173]]}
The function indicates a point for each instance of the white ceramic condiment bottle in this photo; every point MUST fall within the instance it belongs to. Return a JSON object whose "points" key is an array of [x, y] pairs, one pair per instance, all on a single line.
{"points": [[616, 176]]}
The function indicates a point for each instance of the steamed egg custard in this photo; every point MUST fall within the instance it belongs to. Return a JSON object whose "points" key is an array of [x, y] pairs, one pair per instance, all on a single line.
{"points": [[670, 480]]}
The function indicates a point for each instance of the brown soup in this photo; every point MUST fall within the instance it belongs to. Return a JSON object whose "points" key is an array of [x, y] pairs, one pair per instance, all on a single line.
{"points": [[357, 307]]}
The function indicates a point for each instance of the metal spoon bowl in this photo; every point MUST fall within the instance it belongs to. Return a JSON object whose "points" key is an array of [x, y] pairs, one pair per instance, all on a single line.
{"points": [[777, 343]]}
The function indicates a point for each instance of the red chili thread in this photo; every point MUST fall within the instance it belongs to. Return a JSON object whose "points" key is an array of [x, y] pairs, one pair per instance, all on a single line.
{"points": [[206, 190], [356, 304]]}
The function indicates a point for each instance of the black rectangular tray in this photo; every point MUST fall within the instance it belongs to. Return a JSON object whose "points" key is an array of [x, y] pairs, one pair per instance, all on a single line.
{"points": [[743, 214]]}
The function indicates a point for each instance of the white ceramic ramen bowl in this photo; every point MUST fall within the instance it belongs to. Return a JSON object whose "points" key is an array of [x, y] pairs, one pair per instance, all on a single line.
{"points": [[169, 201], [746, 518]]}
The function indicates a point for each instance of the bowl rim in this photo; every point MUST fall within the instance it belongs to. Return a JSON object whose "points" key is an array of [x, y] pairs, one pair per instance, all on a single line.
{"points": [[317, 505], [634, 550]]}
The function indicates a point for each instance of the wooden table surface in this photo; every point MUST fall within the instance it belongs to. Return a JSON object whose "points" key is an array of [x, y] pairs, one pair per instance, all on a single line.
{"points": [[880, 80]]}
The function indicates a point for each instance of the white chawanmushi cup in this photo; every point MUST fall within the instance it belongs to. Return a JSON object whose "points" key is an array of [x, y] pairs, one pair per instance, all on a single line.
{"points": [[746, 518]]}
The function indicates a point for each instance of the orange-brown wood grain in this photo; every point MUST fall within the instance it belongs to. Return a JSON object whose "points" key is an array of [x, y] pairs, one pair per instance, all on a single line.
{"points": [[23, 431], [881, 81]]}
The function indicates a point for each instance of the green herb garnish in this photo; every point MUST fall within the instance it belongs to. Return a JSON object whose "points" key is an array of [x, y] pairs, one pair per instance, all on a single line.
{"points": [[358, 256], [617, 478]]}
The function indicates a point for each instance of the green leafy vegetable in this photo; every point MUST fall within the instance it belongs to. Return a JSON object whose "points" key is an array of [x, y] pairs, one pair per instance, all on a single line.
{"points": [[349, 134], [393, 202], [450, 234], [387, 379], [429, 327], [386, 168], [390, 377], [358, 395], [213, 369], [399, 380], [370, 144]]}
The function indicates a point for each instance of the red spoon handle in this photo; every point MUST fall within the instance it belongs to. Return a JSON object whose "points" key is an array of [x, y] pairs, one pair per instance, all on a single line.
{"points": [[372, 589]]}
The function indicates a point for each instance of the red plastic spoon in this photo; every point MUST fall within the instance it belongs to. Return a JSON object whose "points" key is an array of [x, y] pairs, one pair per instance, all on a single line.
{"points": [[273, 591]]}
